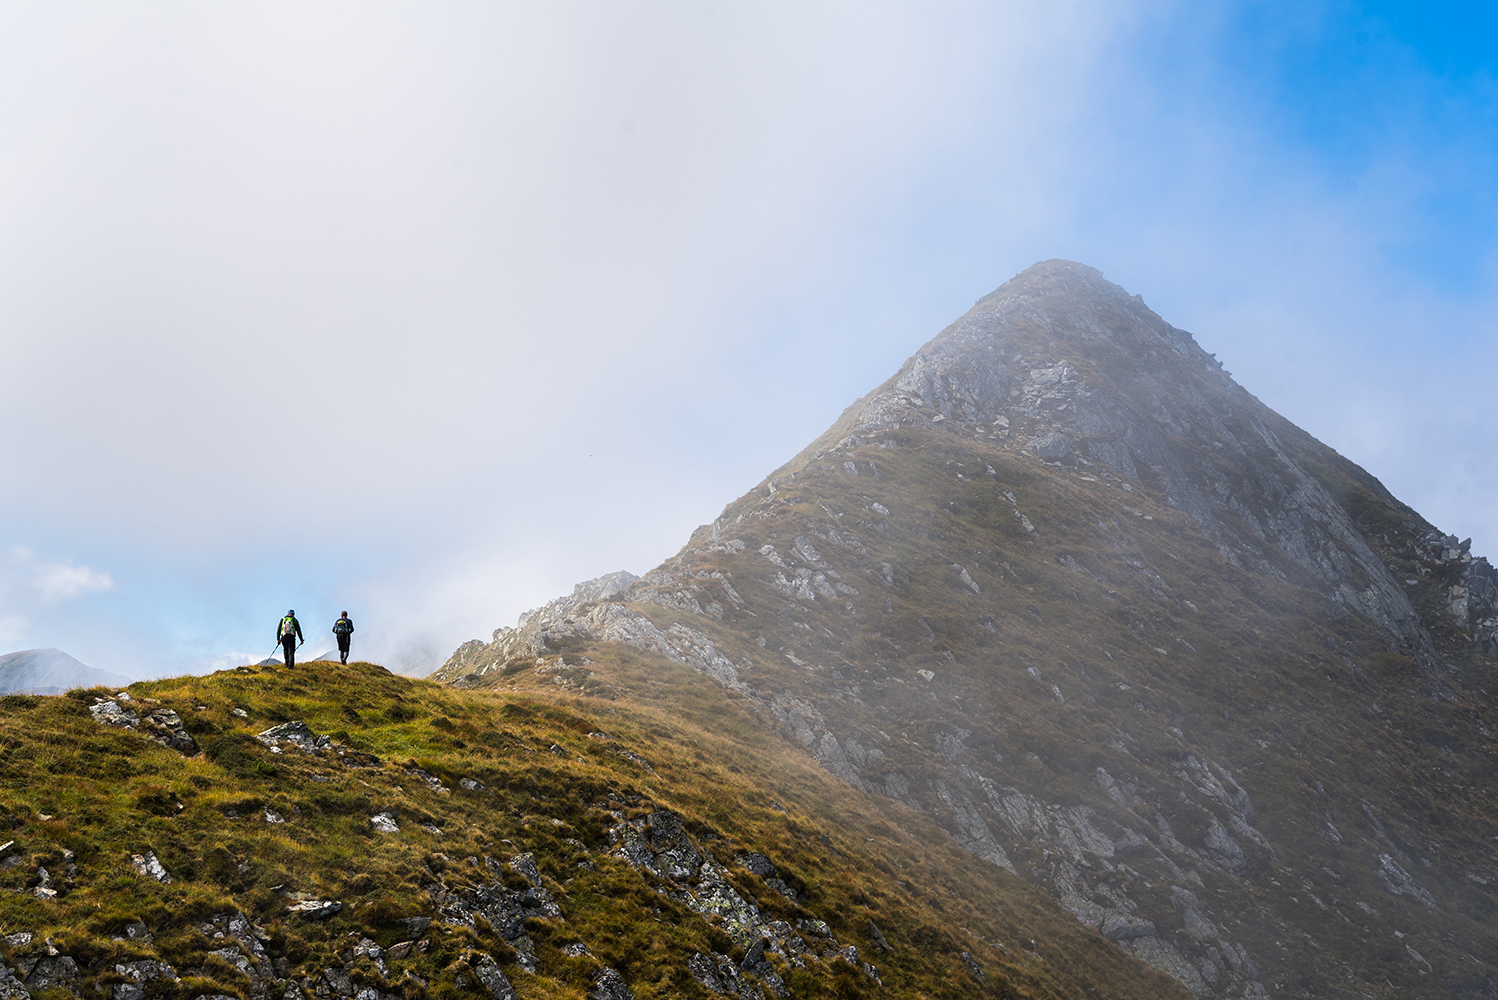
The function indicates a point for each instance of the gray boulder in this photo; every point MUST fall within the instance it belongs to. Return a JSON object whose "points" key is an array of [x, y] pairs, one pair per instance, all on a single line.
{"points": [[494, 980], [609, 985], [1051, 446], [298, 734]]}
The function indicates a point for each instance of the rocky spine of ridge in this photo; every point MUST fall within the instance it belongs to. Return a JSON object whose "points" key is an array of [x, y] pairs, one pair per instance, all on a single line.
{"points": [[1066, 586], [528, 637]]}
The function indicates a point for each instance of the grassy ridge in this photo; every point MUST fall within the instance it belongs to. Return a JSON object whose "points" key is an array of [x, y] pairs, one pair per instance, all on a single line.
{"points": [[79, 799]]}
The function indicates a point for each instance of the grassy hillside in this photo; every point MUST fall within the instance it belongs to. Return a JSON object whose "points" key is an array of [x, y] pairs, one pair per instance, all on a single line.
{"points": [[477, 786]]}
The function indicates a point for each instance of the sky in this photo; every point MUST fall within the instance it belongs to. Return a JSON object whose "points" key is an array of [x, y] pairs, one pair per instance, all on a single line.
{"points": [[428, 312]]}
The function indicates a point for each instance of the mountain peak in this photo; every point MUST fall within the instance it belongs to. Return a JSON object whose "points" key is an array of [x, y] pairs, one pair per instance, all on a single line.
{"points": [[1063, 365], [1124, 631]]}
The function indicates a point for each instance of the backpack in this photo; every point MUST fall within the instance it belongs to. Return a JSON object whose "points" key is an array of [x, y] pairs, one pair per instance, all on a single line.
{"points": [[288, 626], [342, 627]]}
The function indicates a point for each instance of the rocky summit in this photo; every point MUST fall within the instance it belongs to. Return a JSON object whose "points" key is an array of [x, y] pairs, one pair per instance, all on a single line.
{"points": [[1066, 590]]}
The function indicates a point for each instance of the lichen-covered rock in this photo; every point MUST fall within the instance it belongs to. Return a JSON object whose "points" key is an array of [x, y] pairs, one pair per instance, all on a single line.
{"points": [[758, 965], [316, 909], [609, 985], [1118, 926], [59, 972], [297, 734], [110, 712], [756, 863], [1397, 881], [238, 944], [503, 908], [488, 972], [1051, 446], [525, 866], [148, 865], [717, 974], [705, 971], [165, 727], [11, 988]]}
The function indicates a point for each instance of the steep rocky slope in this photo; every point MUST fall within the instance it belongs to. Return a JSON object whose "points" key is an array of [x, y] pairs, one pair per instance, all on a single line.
{"points": [[339, 832], [1125, 633]]}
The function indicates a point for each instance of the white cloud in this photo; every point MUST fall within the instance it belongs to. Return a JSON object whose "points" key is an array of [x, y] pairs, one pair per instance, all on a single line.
{"points": [[228, 661], [432, 312], [65, 581], [12, 629], [36, 588]]}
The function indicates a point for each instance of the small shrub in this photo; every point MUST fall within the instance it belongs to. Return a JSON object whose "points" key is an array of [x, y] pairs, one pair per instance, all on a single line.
{"points": [[337, 803], [199, 725], [157, 800], [237, 753]]}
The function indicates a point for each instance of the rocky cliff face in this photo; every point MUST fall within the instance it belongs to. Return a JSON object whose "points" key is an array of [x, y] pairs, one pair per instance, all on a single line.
{"points": [[1124, 632], [529, 636]]}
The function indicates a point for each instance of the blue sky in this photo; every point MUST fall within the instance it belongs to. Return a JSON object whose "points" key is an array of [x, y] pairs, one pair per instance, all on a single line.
{"points": [[430, 312]]}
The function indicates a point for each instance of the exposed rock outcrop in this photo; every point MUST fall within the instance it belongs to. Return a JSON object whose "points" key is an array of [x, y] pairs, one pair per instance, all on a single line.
{"points": [[528, 637]]}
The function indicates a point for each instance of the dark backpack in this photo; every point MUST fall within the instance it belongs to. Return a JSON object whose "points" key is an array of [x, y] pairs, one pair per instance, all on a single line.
{"points": [[342, 627]]}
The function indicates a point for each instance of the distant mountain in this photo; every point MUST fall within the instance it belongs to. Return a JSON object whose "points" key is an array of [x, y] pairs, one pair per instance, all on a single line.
{"points": [[50, 671], [276, 660], [1124, 632]]}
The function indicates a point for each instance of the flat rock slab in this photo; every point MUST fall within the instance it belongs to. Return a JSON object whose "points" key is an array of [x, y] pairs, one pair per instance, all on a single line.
{"points": [[298, 734]]}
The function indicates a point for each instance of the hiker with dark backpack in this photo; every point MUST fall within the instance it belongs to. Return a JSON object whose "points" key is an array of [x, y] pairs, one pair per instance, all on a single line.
{"points": [[289, 634], [343, 628]]}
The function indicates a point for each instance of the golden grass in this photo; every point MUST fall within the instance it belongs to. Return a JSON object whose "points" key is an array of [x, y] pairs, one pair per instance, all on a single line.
{"points": [[110, 794]]}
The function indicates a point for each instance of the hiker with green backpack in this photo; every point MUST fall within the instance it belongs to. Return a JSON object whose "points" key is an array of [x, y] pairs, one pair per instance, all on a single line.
{"points": [[343, 628], [288, 634]]}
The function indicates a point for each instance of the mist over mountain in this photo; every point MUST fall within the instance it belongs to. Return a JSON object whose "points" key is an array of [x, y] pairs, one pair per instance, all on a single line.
{"points": [[1125, 633], [50, 671]]}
